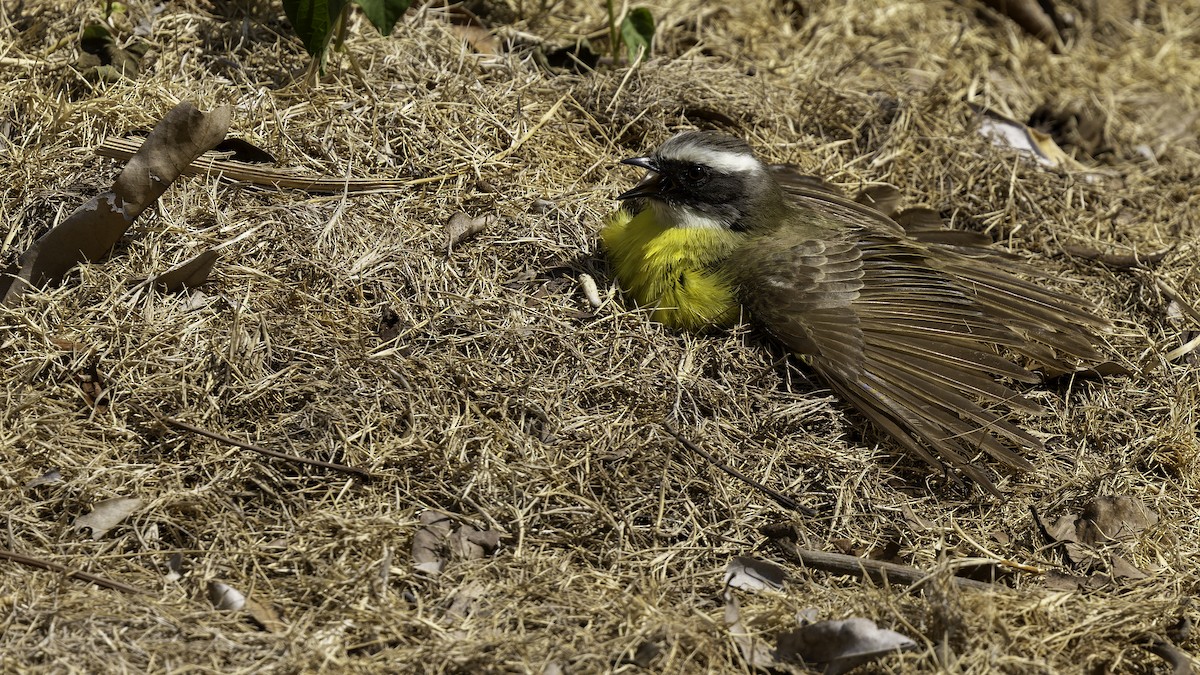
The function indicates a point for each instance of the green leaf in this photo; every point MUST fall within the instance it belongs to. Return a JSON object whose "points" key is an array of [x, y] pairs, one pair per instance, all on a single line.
{"points": [[383, 14], [637, 32], [313, 22]]}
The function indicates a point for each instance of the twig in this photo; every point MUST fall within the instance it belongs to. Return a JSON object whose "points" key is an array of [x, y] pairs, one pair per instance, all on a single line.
{"points": [[244, 172], [881, 572], [74, 574], [780, 498], [354, 471]]}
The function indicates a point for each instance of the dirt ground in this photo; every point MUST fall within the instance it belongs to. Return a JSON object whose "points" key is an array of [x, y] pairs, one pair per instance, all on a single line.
{"points": [[526, 510]]}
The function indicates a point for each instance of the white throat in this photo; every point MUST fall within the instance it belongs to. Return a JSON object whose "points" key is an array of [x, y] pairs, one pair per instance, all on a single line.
{"points": [[684, 216]]}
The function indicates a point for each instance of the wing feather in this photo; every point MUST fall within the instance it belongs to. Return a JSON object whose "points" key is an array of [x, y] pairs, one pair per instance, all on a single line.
{"points": [[908, 328]]}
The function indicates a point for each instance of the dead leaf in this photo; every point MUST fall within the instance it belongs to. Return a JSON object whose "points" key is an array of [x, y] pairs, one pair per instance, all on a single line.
{"points": [[174, 567], [1008, 133], [107, 514], [840, 645], [750, 574], [242, 150], [49, 478], [90, 232], [468, 543], [481, 39], [229, 599], [187, 274], [264, 614], [225, 597], [1102, 521], [466, 600], [754, 651], [462, 227], [1114, 519], [429, 542], [92, 387], [1032, 17]]}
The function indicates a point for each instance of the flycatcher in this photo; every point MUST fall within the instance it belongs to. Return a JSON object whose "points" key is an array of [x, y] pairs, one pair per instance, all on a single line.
{"points": [[912, 324]]}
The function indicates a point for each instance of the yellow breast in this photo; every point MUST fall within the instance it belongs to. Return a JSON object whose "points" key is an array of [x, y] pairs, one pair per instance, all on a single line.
{"points": [[675, 270]]}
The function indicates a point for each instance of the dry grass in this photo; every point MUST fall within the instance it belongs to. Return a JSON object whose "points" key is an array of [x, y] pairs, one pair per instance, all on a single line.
{"points": [[508, 403]]}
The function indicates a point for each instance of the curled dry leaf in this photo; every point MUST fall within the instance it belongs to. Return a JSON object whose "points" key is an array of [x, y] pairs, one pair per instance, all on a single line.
{"points": [[462, 227], [1008, 133], [1031, 16], [225, 597], [107, 514], [469, 543], [1114, 519], [188, 274], [174, 567], [754, 651], [1102, 521], [429, 541], [466, 600], [90, 232], [264, 614], [437, 539], [840, 645], [750, 574], [49, 478]]}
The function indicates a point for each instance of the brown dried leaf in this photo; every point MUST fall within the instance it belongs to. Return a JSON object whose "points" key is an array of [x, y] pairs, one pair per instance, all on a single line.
{"points": [[430, 541], [90, 232], [480, 39], [1101, 521], [469, 543], [187, 274], [225, 597], [1114, 519], [466, 600], [264, 614], [841, 645], [462, 227], [751, 574], [107, 514], [49, 478], [754, 651]]}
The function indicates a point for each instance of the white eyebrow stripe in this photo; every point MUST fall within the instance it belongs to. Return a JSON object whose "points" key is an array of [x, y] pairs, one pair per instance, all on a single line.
{"points": [[721, 160]]}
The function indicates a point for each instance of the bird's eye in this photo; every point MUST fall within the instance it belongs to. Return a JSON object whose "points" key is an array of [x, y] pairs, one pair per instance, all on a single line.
{"points": [[696, 173]]}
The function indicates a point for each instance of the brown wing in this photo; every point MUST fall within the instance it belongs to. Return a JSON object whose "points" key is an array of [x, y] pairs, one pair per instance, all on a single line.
{"points": [[908, 332]]}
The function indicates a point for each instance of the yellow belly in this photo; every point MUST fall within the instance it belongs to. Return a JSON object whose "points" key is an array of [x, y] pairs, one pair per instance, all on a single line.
{"points": [[675, 270]]}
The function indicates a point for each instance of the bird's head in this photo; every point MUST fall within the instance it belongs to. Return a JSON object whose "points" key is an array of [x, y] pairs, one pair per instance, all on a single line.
{"points": [[705, 179]]}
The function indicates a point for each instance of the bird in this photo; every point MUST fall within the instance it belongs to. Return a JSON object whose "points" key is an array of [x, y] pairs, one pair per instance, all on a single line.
{"points": [[926, 331]]}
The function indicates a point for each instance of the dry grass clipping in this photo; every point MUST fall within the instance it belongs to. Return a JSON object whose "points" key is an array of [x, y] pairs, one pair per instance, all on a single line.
{"points": [[505, 400]]}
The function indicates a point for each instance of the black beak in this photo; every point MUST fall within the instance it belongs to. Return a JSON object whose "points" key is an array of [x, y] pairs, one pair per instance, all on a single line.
{"points": [[646, 186]]}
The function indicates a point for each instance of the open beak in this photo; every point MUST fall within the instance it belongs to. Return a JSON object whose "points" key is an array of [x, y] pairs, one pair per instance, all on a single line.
{"points": [[649, 184]]}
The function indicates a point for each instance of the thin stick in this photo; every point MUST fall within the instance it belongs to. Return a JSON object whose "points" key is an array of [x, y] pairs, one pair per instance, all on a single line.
{"points": [[780, 498], [74, 574], [124, 148], [361, 473], [881, 572]]}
